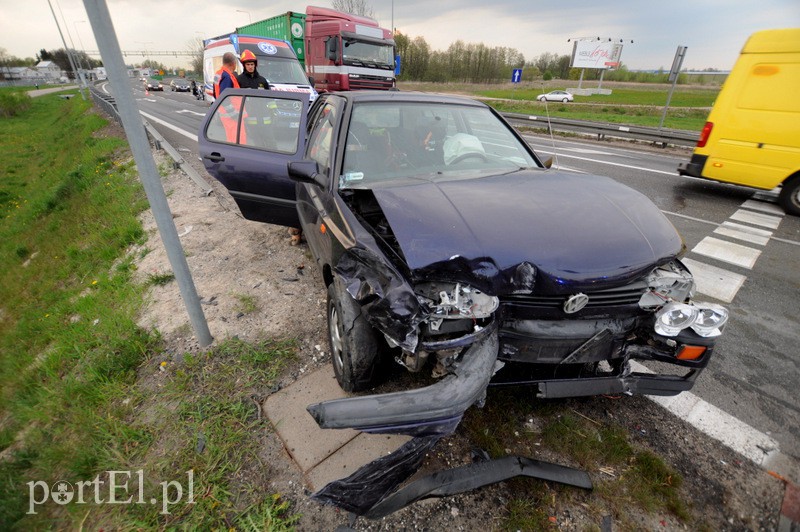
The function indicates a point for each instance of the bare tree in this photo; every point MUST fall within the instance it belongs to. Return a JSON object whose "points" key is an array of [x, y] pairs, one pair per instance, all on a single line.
{"points": [[354, 7], [195, 46]]}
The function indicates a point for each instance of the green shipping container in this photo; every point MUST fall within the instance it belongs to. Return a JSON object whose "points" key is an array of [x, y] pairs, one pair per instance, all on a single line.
{"points": [[289, 26]]}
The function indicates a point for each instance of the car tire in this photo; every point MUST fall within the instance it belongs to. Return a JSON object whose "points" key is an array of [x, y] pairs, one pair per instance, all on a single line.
{"points": [[542, 99], [565, 100], [360, 358], [789, 198]]}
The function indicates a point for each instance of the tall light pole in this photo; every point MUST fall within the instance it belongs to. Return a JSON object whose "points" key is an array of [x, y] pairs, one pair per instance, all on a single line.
{"points": [[247, 13], [75, 25], [69, 52]]}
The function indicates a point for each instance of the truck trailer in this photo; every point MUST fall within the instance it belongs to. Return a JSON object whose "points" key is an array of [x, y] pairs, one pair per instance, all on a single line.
{"points": [[339, 51]]}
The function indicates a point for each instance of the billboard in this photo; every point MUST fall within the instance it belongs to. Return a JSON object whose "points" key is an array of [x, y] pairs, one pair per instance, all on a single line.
{"points": [[596, 54]]}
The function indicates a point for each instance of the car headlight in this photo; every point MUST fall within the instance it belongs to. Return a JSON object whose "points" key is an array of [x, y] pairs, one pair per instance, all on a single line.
{"points": [[669, 282], [457, 301], [706, 319]]}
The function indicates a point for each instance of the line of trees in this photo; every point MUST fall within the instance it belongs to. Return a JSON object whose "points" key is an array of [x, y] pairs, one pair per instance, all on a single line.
{"points": [[472, 63]]}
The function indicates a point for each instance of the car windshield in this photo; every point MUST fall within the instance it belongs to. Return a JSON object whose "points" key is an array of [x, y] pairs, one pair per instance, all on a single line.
{"points": [[280, 70], [367, 54], [391, 142]]}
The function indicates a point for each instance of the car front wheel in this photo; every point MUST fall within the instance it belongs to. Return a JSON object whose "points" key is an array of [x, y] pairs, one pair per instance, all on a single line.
{"points": [[359, 358], [789, 197], [565, 100], [542, 99]]}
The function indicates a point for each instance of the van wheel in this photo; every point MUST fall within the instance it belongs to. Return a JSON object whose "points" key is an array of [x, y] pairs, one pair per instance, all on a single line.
{"points": [[789, 197], [360, 360]]}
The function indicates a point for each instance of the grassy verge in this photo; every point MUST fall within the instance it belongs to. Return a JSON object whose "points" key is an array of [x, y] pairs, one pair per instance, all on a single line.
{"points": [[78, 378], [640, 106], [624, 474]]}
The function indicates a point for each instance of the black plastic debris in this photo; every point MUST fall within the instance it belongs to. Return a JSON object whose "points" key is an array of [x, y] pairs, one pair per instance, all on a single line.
{"points": [[367, 486], [367, 491]]}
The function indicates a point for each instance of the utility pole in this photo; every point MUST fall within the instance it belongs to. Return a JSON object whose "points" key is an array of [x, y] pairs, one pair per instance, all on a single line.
{"points": [[106, 38]]}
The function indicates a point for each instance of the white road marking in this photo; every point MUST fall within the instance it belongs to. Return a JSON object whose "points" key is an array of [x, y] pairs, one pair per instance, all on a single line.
{"points": [[618, 164], [763, 206], [192, 136], [756, 218], [745, 235], [715, 282], [727, 252], [190, 111], [736, 434]]}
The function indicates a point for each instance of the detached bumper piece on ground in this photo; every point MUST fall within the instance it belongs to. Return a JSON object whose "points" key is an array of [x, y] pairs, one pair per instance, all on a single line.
{"points": [[368, 491]]}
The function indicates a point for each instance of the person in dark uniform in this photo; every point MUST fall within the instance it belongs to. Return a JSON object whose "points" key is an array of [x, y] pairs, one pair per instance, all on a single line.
{"points": [[250, 78]]}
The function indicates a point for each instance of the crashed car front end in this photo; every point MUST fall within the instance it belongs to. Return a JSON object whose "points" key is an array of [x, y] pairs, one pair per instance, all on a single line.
{"points": [[564, 346]]}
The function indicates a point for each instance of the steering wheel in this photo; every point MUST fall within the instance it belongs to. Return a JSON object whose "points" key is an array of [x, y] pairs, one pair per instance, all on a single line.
{"points": [[469, 155]]}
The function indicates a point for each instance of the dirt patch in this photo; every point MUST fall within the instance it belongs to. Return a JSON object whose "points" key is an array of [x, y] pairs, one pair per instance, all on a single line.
{"points": [[253, 284]]}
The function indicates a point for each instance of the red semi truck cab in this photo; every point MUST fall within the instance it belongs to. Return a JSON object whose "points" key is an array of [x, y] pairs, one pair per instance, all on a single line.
{"points": [[347, 52]]}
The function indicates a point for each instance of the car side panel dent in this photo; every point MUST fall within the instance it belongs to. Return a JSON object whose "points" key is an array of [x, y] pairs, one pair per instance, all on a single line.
{"points": [[387, 299]]}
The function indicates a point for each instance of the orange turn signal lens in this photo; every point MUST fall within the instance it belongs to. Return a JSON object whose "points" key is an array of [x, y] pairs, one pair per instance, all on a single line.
{"points": [[322, 228], [691, 352]]}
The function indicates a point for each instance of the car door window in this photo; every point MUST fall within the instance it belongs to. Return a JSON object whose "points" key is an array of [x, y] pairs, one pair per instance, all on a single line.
{"points": [[319, 145], [224, 124], [271, 124]]}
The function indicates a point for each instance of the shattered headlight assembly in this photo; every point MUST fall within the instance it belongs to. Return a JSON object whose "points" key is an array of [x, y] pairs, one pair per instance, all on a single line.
{"points": [[456, 301], [706, 319], [669, 282]]}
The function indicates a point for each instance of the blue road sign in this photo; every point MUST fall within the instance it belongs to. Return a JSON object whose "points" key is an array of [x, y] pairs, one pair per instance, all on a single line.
{"points": [[516, 76], [397, 65]]}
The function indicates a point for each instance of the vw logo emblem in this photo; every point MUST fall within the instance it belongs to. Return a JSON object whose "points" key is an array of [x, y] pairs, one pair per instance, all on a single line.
{"points": [[575, 303]]}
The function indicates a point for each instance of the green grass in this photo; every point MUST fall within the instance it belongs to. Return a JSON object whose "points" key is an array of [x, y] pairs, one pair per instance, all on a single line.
{"points": [[639, 477], [83, 389], [639, 106]]}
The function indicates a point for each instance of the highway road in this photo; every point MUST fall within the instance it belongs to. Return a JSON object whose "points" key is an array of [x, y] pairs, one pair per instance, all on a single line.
{"points": [[744, 252]]}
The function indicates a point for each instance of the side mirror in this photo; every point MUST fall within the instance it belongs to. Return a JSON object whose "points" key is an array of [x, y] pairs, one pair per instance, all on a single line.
{"points": [[548, 162], [311, 80], [332, 49], [306, 172]]}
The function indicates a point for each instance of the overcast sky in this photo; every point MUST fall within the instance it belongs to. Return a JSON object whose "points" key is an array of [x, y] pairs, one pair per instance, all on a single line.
{"points": [[714, 30]]}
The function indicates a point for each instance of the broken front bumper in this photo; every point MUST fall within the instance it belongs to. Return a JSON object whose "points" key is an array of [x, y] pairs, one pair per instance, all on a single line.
{"points": [[435, 409]]}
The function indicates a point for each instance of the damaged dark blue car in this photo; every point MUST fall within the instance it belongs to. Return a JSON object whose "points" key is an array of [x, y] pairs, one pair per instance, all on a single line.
{"points": [[448, 246]]}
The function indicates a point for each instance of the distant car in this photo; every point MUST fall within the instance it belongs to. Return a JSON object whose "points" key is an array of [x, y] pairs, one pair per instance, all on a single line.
{"points": [[556, 96], [445, 243], [154, 85], [180, 85]]}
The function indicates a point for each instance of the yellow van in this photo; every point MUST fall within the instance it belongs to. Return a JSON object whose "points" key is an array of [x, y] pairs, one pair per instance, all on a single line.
{"points": [[752, 136]]}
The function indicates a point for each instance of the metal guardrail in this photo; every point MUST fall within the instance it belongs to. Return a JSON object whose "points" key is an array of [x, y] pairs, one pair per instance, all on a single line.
{"points": [[108, 104], [664, 137]]}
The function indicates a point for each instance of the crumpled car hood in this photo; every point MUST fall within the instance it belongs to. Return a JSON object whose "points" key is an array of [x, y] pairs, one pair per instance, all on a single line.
{"points": [[575, 229]]}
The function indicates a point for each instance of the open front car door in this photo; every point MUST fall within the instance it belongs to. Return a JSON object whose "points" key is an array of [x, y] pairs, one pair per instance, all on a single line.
{"points": [[246, 142]]}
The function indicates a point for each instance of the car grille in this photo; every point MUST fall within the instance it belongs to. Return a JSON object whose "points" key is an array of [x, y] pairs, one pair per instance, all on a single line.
{"points": [[613, 300], [369, 82]]}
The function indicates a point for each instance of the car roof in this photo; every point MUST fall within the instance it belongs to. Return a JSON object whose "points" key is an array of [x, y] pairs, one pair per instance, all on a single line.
{"points": [[406, 96]]}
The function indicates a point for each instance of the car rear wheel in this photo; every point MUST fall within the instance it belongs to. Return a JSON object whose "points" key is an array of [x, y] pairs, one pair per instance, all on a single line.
{"points": [[360, 360], [789, 197]]}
